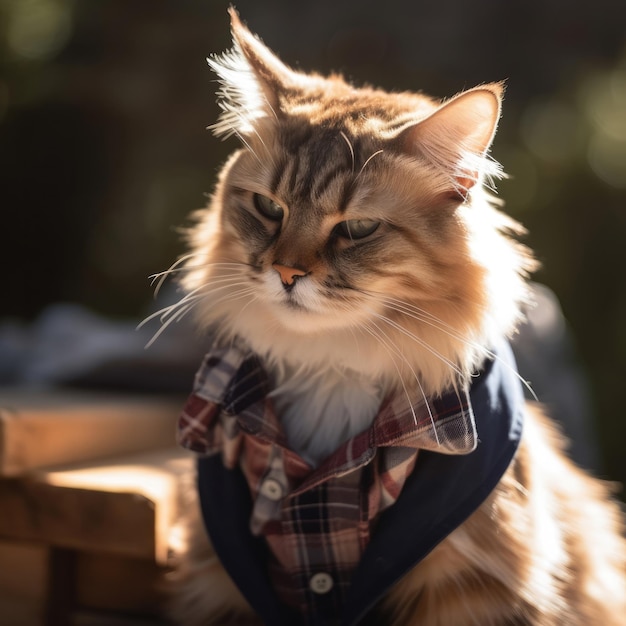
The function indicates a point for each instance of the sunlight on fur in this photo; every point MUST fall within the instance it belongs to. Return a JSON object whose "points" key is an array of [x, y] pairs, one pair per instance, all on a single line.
{"points": [[353, 245]]}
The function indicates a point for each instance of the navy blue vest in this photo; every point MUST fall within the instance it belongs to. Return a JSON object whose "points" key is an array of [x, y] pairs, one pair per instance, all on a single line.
{"points": [[439, 495]]}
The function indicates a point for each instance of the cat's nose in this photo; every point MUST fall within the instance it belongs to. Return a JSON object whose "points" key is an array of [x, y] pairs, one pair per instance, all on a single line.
{"points": [[288, 274]]}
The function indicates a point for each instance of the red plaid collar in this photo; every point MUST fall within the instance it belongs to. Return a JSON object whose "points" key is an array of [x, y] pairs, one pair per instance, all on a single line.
{"points": [[233, 382], [316, 522]]}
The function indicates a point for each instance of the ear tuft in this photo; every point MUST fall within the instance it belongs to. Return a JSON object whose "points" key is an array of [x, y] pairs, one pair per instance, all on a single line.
{"points": [[251, 79]]}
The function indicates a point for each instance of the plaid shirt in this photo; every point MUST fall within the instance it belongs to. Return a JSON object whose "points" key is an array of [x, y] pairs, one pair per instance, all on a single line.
{"points": [[316, 521]]}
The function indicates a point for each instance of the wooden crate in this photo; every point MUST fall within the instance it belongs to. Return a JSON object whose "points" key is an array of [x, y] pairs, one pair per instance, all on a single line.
{"points": [[90, 543]]}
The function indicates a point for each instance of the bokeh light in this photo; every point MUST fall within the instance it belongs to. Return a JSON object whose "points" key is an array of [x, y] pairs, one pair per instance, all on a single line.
{"points": [[552, 130], [607, 158], [38, 29], [604, 99]]}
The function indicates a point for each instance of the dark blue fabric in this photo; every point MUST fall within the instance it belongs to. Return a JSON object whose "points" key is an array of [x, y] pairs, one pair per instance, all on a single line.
{"points": [[441, 493], [226, 508]]}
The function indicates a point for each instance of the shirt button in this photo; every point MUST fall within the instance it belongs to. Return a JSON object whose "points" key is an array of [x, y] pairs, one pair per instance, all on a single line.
{"points": [[272, 489], [321, 583]]}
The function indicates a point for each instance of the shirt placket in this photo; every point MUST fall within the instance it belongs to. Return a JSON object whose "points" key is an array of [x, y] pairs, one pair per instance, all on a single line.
{"points": [[323, 533], [272, 488]]}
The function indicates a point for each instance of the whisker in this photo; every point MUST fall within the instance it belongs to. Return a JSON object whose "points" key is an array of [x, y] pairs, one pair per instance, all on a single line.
{"points": [[248, 146], [421, 315], [267, 151], [451, 332], [252, 300], [171, 268], [428, 318], [368, 160], [174, 318], [234, 296], [395, 350], [186, 268], [198, 292], [431, 320], [271, 108], [407, 305], [174, 268], [349, 147], [419, 341], [172, 310], [180, 309]]}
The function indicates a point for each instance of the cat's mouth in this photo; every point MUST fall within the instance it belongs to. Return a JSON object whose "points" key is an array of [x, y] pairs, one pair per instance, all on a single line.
{"points": [[302, 307], [297, 297], [291, 302], [294, 313]]}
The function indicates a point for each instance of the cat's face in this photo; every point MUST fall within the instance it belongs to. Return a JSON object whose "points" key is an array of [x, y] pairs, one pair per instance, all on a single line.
{"points": [[329, 227], [349, 211]]}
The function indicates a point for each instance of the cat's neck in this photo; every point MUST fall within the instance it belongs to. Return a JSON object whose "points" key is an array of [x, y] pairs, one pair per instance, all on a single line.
{"points": [[411, 355], [321, 409], [328, 386]]}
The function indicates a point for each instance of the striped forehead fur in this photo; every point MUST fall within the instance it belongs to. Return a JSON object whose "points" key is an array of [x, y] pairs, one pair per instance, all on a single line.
{"points": [[260, 95]]}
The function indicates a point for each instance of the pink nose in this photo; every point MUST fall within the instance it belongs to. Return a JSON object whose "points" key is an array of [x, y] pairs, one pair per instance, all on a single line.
{"points": [[288, 274]]}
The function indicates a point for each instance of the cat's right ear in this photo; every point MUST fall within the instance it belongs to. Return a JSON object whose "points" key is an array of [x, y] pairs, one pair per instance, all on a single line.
{"points": [[457, 136], [252, 80]]}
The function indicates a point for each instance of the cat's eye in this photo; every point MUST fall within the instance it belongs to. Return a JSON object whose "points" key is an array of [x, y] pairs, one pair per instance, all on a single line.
{"points": [[268, 208], [357, 229]]}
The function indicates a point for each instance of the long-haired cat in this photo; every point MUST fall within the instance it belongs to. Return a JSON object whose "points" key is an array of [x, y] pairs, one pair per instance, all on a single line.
{"points": [[353, 262]]}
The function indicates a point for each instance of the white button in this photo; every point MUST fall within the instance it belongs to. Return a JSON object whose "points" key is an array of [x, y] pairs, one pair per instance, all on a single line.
{"points": [[272, 489], [321, 583]]}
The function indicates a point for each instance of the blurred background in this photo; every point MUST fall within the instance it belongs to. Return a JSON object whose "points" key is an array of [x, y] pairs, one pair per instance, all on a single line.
{"points": [[104, 152]]}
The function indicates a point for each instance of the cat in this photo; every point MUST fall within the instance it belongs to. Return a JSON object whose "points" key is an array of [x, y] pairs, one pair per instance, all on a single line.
{"points": [[353, 262]]}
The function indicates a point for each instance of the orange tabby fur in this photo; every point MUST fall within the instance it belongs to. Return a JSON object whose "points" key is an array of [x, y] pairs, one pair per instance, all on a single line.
{"points": [[546, 547]]}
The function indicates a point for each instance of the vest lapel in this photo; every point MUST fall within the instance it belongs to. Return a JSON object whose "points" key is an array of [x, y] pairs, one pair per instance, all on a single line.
{"points": [[226, 509], [442, 491]]}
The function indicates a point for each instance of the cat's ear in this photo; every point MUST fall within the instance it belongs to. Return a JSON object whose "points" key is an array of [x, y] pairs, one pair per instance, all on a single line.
{"points": [[252, 79], [456, 137]]}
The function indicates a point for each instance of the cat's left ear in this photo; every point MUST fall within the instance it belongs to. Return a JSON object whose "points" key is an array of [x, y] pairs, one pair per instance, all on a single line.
{"points": [[252, 78], [457, 136]]}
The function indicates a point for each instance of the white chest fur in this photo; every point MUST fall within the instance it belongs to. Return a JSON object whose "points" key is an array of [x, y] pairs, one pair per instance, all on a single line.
{"points": [[319, 411]]}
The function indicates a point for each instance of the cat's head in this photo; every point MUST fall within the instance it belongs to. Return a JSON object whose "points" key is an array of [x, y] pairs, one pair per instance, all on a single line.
{"points": [[353, 224]]}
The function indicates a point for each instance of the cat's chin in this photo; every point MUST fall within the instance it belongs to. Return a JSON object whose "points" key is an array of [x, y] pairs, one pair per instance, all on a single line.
{"points": [[303, 311], [294, 335], [300, 321]]}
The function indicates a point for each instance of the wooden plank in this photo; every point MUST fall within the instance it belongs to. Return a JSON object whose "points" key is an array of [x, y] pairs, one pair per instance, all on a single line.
{"points": [[23, 578], [41, 429], [61, 591], [97, 618], [106, 582], [76, 518], [126, 506]]}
